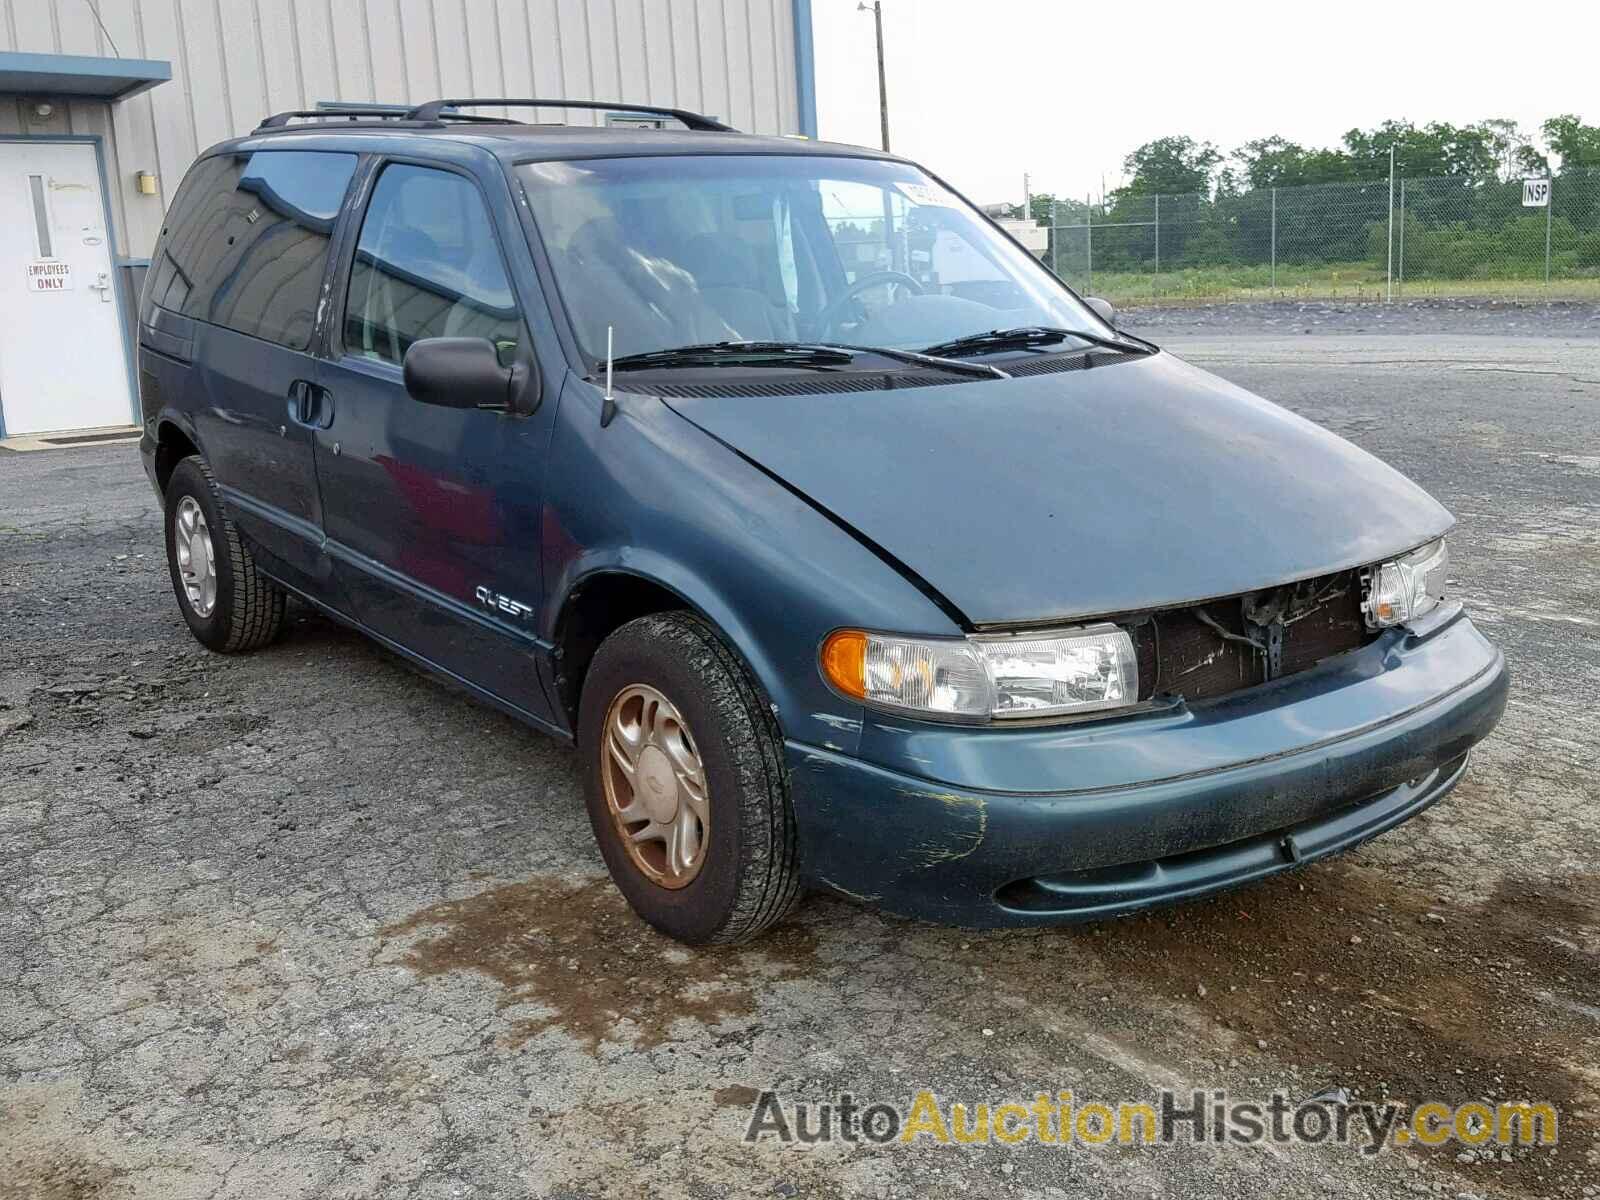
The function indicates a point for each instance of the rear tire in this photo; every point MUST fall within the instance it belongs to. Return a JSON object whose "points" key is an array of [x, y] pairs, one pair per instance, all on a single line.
{"points": [[226, 601], [667, 693]]}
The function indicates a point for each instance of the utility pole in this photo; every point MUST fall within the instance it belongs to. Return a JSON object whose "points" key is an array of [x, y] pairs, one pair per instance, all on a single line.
{"points": [[876, 9]]}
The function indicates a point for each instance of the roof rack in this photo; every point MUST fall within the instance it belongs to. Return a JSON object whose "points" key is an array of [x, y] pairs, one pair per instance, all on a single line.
{"points": [[437, 113], [356, 113], [434, 112]]}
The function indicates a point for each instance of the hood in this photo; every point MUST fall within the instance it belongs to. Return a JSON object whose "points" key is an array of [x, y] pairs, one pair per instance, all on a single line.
{"points": [[1135, 485]]}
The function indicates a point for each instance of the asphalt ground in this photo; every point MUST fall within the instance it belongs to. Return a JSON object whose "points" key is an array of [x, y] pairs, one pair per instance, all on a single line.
{"points": [[307, 923]]}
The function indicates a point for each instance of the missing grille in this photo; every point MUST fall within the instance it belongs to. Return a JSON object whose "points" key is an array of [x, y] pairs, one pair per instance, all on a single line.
{"points": [[1208, 650]]}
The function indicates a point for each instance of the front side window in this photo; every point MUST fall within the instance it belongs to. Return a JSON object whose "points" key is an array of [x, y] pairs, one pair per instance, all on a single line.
{"points": [[671, 251], [427, 265], [246, 243]]}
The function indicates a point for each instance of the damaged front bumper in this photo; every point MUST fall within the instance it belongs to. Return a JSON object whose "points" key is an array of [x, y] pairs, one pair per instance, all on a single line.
{"points": [[997, 827]]}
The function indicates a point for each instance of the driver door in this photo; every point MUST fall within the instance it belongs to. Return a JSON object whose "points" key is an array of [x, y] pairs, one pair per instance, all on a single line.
{"points": [[432, 513]]}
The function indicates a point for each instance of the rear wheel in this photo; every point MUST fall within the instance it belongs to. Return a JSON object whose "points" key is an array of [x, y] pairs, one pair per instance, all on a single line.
{"points": [[228, 604], [684, 782]]}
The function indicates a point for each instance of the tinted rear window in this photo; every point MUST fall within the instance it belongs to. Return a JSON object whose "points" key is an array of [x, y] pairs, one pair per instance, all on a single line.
{"points": [[246, 242]]}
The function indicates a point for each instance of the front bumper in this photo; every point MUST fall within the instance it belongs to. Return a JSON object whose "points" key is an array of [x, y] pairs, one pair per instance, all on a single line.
{"points": [[1159, 807]]}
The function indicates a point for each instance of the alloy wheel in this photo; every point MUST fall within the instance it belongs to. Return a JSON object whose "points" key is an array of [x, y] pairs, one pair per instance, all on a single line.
{"points": [[655, 786], [197, 561]]}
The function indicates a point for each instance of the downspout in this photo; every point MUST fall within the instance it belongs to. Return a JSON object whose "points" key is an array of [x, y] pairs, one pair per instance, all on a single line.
{"points": [[805, 68]]}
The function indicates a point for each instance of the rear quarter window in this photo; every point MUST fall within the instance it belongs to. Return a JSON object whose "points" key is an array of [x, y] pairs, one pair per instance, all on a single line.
{"points": [[245, 245]]}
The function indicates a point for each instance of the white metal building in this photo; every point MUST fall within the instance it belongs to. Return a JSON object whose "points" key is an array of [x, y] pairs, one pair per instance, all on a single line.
{"points": [[105, 103]]}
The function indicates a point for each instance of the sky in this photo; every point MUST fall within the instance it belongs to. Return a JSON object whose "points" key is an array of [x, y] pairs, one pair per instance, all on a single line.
{"points": [[981, 91]]}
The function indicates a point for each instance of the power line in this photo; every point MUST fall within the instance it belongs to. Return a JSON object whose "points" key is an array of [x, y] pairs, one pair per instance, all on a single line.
{"points": [[95, 11]]}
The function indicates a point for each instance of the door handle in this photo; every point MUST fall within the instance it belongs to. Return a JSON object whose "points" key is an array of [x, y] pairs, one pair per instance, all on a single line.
{"points": [[297, 401], [300, 402], [321, 406], [310, 404]]}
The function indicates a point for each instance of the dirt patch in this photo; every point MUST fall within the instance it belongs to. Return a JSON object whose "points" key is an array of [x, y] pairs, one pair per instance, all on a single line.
{"points": [[603, 974], [35, 1166], [54, 1175], [735, 1095], [1401, 994]]}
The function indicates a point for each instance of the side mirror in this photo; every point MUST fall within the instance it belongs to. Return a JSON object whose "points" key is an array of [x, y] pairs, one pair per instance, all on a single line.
{"points": [[461, 372], [1102, 309]]}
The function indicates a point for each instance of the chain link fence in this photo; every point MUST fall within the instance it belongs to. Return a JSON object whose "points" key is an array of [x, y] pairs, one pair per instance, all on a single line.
{"points": [[1344, 241]]}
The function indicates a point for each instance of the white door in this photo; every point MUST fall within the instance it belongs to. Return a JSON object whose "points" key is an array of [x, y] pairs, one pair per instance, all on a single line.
{"points": [[62, 362]]}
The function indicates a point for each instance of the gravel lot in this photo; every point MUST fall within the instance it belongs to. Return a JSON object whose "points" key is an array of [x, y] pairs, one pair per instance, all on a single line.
{"points": [[305, 923]]}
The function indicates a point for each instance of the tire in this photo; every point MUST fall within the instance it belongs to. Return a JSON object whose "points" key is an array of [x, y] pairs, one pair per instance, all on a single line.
{"points": [[246, 609], [747, 876]]}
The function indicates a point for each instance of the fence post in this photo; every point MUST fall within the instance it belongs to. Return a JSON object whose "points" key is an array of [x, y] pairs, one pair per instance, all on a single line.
{"points": [[1402, 267], [1274, 240], [1389, 274], [1155, 284], [1549, 207], [1055, 237], [1088, 237]]}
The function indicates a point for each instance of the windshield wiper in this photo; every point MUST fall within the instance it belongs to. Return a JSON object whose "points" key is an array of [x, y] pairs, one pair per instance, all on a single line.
{"points": [[923, 358], [1024, 336], [789, 354], [743, 354]]}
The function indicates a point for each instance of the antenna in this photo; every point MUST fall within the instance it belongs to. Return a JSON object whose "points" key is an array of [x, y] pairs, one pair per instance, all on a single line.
{"points": [[608, 407]]}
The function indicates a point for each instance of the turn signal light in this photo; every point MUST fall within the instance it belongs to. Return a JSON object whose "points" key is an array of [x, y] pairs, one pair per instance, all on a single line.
{"points": [[844, 661]]}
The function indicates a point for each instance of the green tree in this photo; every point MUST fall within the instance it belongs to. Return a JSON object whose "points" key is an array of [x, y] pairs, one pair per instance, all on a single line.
{"points": [[1531, 162], [1514, 152], [1464, 152], [1277, 162], [1270, 161], [1170, 166], [1576, 144]]}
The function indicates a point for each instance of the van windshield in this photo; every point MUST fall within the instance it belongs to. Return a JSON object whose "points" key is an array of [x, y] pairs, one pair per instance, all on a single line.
{"points": [[674, 251]]}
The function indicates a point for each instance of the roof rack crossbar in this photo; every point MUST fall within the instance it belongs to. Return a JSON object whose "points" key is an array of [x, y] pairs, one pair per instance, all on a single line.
{"points": [[434, 111]]}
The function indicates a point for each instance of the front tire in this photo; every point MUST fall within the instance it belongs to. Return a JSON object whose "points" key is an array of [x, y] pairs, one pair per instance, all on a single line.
{"points": [[685, 784], [228, 604]]}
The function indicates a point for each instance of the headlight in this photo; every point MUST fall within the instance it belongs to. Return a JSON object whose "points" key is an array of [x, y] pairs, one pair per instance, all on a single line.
{"points": [[1404, 589], [1026, 675]]}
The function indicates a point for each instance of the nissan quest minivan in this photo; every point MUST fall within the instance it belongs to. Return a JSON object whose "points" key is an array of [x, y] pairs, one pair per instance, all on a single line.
{"points": [[851, 549]]}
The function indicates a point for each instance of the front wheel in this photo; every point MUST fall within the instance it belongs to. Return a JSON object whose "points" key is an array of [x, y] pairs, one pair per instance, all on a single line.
{"points": [[684, 781]]}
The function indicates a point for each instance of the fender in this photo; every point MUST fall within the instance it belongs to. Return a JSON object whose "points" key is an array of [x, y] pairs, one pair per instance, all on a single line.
{"points": [[155, 433], [762, 565], [699, 596], [183, 423]]}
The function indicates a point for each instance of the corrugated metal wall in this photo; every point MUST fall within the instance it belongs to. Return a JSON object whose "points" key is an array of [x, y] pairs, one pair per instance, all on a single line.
{"points": [[233, 61]]}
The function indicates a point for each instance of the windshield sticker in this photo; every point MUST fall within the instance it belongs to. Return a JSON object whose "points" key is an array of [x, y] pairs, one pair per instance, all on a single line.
{"points": [[926, 193]]}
